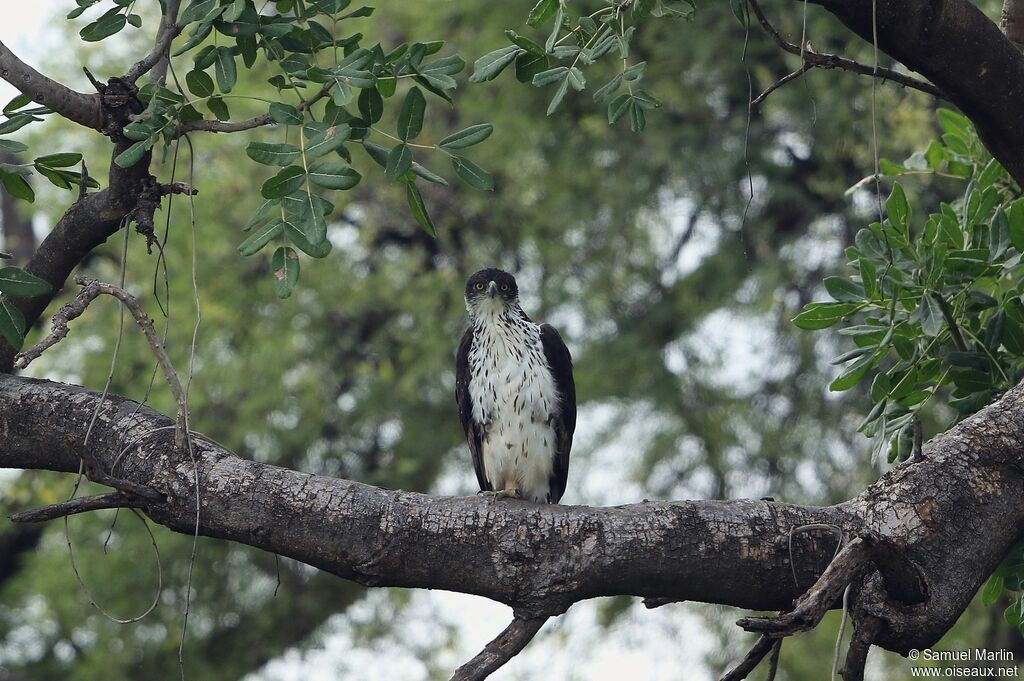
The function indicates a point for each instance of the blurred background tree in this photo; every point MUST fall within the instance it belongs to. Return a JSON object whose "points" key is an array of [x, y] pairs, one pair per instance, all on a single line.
{"points": [[672, 285]]}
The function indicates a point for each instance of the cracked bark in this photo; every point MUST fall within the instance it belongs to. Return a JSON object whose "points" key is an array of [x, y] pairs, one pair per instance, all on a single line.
{"points": [[954, 515]]}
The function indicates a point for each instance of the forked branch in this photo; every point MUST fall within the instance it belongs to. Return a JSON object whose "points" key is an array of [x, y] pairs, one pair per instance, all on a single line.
{"points": [[75, 308], [821, 60]]}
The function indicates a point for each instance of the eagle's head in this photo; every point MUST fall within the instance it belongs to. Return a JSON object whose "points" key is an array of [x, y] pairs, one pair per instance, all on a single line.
{"points": [[490, 291]]}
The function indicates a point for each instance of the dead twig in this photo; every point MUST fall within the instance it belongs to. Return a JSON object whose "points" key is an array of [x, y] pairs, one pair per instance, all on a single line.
{"points": [[74, 506], [507, 645], [867, 629], [248, 124], [780, 82], [764, 645], [76, 307]]}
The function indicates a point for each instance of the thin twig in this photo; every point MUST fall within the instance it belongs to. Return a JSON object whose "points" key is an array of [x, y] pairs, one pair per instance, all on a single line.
{"points": [[753, 658], [208, 125], [76, 307], [81, 505], [507, 645], [166, 33], [773, 661], [780, 82], [832, 61]]}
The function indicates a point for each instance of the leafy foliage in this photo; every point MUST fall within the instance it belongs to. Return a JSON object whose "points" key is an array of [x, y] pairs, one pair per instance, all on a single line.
{"points": [[935, 306], [576, 42]]}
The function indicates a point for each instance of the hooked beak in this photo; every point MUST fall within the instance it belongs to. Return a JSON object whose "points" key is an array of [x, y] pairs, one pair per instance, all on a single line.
{"points": [[492, 289]]}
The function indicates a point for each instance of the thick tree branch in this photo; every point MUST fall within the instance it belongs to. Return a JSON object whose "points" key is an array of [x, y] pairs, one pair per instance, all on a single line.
{"points": [[955, 515], [955, 46], [75, 106], [495, 654]]}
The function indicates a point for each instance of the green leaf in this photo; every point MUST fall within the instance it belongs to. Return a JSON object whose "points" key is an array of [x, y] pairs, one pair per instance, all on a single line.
{"points": [[617, 108], [12, 324], [17, 283], [261, 236], [541, 12], [334, 175], [897, 208], [817, 316], [15, 122], [285, 114], [428, 174], [550, 76], [992, 591], [12, 146], [18, 187], [285, 266], [399, 161], [525, 43], [869, 278], [199, 83], [219, 108], [637, 117], [302, 242], [419, 210], [558, 97], [59, 160], [930, 314], [272, 154], [331, 139], [844, 290], [134, 153], [489, 66], [576, 79], [371, 105], [474, 134], [224, 68], [853, 374], [1015, 215], [104, 27], [474, 175], [528, 65], [285, 182], [410, 117]]}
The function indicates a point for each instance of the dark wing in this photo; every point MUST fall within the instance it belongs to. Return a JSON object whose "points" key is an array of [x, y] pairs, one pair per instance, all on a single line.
{"points": [[474, 431], [564, 420]]}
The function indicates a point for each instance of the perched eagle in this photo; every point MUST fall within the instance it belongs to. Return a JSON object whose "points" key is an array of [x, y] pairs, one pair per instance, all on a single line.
{"points": [[516, 396]]}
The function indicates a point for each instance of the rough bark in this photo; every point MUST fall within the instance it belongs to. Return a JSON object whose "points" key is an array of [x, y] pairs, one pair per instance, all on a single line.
{"points": [[954, 515]]}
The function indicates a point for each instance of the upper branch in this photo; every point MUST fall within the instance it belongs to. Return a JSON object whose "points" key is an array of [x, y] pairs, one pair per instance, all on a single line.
{"points": [[157, 59], [955, 46], [833, 61], [75, 106]]}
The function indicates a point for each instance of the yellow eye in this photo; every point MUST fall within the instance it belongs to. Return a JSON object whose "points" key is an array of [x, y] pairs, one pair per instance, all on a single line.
{"points": [[479, 286], [504, 287]]}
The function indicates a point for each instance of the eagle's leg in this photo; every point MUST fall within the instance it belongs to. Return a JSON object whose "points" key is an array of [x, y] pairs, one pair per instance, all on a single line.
{"points": [[510, 492]]}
